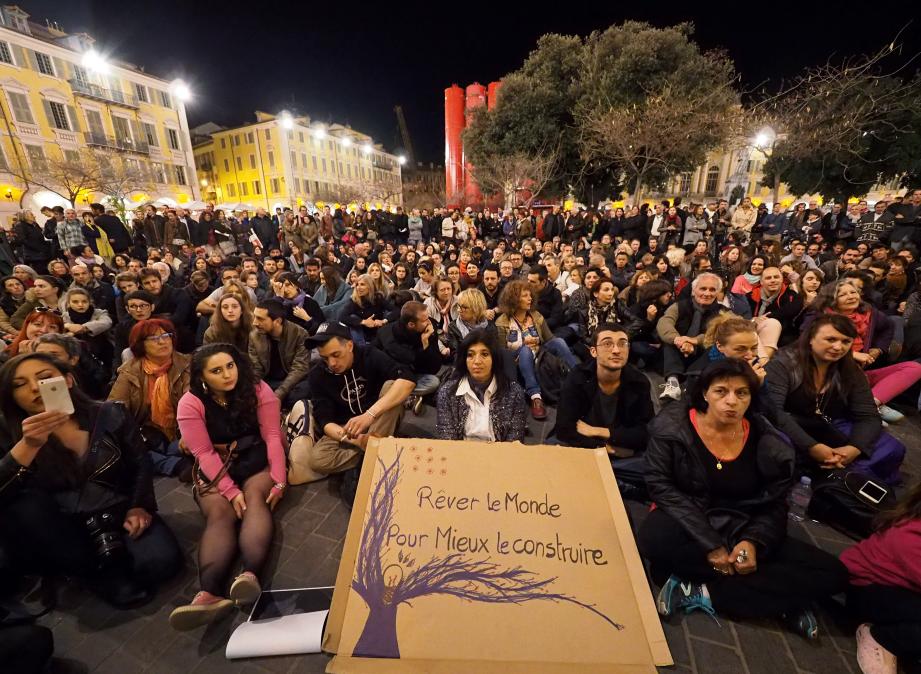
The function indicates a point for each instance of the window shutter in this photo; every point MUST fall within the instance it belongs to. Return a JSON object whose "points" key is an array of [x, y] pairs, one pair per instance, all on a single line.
{"points": [[33, 62], [48, 115], [74, 119], [19, 56], [140, 138], [61, 68]]}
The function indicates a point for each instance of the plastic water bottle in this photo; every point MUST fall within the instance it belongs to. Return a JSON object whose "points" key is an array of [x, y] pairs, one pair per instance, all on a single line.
{"points": [[799, 498]]}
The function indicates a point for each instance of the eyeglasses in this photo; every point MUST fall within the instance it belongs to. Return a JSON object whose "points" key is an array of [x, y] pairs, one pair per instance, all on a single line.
{"points": [[159, 338], [610, 343], [138, 307], [48, 310]]}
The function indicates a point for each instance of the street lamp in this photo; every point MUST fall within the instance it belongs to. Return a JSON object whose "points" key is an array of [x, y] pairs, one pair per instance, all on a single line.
{"points": [[287, 122], [94, 61], [401, 160], [181, 91], [319, 133], [366, 148], [346, 142]]}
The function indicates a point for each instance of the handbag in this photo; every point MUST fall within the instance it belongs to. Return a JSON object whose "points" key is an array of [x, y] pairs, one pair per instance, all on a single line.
{"points": [[849, 501], [240, 460]]}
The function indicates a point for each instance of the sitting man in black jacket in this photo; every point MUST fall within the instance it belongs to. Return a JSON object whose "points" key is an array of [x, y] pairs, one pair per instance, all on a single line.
{"points": [[547, 297], [606, 402], [409, 342]]}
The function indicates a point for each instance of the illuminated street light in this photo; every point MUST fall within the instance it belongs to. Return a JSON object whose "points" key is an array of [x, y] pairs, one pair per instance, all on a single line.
{"points": [[765, 138], [366, 148], [761, 139], [93, 60], [181, 91], [204, 182], [319, 133], [346, 142], [286, 120], [401, 159]]}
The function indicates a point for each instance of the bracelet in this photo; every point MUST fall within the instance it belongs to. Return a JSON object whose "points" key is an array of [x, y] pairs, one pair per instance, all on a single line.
{"points": [[280, 486], [373, 415]]}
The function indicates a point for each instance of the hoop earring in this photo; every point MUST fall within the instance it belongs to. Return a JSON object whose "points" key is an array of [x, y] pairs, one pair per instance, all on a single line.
{"points": [[204, 387]]}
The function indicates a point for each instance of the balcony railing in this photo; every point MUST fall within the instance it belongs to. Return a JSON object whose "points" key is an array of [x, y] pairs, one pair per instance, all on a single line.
{"points": [[123, 144], [102, 94]]}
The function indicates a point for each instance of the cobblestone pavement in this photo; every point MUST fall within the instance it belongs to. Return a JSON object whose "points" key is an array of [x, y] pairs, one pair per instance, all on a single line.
{"points": [[91, 637]]}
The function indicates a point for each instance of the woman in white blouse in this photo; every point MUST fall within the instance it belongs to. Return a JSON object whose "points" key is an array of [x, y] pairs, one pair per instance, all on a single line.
{"points": [[479, 402]]}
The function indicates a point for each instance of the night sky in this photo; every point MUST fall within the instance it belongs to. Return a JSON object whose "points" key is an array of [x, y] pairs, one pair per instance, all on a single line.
{"points": [[345, 62]]}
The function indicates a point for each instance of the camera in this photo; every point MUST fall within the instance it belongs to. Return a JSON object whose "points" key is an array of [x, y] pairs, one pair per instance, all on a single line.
{"points": [[105, 530]]}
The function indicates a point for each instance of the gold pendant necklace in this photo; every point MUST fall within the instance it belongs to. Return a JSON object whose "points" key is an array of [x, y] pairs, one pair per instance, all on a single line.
{"points": [[719, 459]]}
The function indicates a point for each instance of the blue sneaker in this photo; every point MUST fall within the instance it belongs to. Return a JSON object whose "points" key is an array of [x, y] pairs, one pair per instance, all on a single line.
{"points": [[665, 598], [692, 598], [889, 415], [804, 624]]}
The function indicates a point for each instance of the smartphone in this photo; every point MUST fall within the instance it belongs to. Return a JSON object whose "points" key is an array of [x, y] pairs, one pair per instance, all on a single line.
{"points": [[873, 492], [55, 395]]}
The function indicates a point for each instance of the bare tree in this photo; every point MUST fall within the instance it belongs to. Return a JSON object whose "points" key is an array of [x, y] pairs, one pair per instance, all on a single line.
{"points": [[665, 135], [385, 586], [425, 189], [120, 176], [65, 173], [519, 177]]}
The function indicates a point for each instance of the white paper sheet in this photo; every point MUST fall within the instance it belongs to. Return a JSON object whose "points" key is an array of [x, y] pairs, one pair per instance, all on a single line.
{"points": [[287, 635]]}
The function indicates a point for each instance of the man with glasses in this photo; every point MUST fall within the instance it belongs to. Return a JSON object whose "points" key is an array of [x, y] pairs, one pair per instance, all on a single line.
{"points": [[606, 402], [208, 305]]}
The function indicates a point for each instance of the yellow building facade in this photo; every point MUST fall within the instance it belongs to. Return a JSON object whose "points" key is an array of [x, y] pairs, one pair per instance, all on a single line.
{"points": [[281, 160], [60, 98]]}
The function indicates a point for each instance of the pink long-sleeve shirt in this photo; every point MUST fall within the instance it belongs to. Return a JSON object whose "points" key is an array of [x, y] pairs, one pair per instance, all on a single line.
{"points": [[892, 558], [191, 417]]}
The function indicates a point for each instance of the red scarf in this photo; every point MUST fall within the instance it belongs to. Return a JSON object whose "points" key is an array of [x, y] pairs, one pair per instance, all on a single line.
{"points": [[861, 321]]}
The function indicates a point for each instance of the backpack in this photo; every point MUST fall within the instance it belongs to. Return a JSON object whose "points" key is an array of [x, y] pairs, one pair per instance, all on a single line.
{"points": [[551, 373]]}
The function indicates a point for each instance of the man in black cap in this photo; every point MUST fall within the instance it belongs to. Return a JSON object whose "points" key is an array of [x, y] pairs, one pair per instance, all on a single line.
{"points": [[357, 392]]}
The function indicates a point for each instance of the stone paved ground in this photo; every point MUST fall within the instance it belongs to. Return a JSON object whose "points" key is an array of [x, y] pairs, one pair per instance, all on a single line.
{"points": [[90, 637]]}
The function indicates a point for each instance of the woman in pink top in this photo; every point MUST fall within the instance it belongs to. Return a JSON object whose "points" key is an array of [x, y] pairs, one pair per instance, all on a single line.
{"points": [[229, 420], [885, 590]]}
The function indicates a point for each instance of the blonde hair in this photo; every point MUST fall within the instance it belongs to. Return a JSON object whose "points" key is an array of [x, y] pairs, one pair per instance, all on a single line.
{"points": [[474, 299], [372, 288], [722, 327], [675, 256]]}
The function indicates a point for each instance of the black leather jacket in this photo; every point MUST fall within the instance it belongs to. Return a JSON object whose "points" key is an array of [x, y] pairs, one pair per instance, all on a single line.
{"points": [[677, 480], [119, 467]]}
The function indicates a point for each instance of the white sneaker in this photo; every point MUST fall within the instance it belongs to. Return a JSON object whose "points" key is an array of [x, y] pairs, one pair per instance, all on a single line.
{"points": [[670, 390], [873, 658]]}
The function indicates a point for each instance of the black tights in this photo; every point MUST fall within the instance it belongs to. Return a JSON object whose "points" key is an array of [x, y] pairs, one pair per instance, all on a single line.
{"points": [[220, 541]]}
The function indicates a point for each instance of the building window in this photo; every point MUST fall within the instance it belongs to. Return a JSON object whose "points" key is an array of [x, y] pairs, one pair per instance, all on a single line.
{"points": [[150, 132], [165, 99], [297, 185], [252, 161], [268, 134], [157, 170], [293, 160], [324, 166], [713, 179], [141, 92], [231, 190], [36, 156], [684, 186], [244, 190], [316, 186], [180, 175], [226, 166], [239, 163], [172, 138], [257, 187], [314, 163], [223, 143], [303, 160], [20, 105], [72, 156], [275, 189], [271, 159], [329, 144], [45, 66], [5, 55], [249, 137], [236, 140], [300, 136], [58, 116]]}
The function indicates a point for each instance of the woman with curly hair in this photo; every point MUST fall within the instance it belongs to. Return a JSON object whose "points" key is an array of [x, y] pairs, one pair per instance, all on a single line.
{"points": [[229, 420]]}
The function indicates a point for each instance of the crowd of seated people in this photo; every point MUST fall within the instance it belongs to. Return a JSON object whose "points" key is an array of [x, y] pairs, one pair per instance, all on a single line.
{"points": [[784, 350]]}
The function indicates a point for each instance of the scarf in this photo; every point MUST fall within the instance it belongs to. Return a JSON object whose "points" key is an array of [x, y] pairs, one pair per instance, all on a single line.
{"points": [[752, 278], [697, 320], [80, 318], [296, 302], [861, 321], [598, 315], [464, 328], [158, 392]]}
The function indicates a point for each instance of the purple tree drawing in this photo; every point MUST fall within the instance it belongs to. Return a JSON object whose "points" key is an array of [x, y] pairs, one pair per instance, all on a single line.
{"points": [[385, 588]]}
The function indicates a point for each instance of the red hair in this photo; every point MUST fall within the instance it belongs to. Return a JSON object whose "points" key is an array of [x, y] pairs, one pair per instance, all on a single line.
{"points": [[144, 329], [13, 348]]}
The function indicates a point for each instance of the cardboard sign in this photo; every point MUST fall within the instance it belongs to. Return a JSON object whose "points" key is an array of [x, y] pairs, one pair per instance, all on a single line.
{"points": [[490, 557]]}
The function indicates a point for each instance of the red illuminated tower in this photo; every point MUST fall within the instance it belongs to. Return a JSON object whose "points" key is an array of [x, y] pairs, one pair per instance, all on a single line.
{"points": [[476, 98], [454, 151]]}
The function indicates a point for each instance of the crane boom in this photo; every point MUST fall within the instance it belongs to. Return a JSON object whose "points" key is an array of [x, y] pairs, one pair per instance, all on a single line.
{"points": [[404, 132]]}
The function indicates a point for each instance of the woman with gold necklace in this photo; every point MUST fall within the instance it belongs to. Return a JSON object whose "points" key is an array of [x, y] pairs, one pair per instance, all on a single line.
{"points": [[719, 473]]}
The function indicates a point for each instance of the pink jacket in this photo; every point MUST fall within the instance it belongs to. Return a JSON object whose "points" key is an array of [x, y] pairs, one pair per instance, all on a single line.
{"points": [[191, 417], [892, 558]]}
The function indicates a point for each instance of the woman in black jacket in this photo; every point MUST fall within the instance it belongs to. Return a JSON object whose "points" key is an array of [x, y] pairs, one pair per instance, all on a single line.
{"points": [[366, 311], [824, 403], [719, 474], [652, 301], [34, 249], [76, 490]]}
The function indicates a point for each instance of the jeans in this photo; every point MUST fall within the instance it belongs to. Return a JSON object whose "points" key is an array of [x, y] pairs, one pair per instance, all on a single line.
{"points": [[527, 365], [300, 391], [358, 336], [426, 384], [166, 457]]}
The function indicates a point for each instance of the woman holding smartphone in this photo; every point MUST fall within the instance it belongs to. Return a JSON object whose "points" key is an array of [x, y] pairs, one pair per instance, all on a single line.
{"points": [[229, 420], [76, 490]]}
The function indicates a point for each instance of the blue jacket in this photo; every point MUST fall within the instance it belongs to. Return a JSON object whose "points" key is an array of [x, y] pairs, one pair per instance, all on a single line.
{"points": [[774, 224]]}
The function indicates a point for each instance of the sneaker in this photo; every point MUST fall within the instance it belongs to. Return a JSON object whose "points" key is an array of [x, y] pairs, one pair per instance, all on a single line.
{"points": [[670, 389], [666, 598], [804, 624], [537, 409], [889, 415], [245, 588], [873, 658], [205, 608], [691, 597]]}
